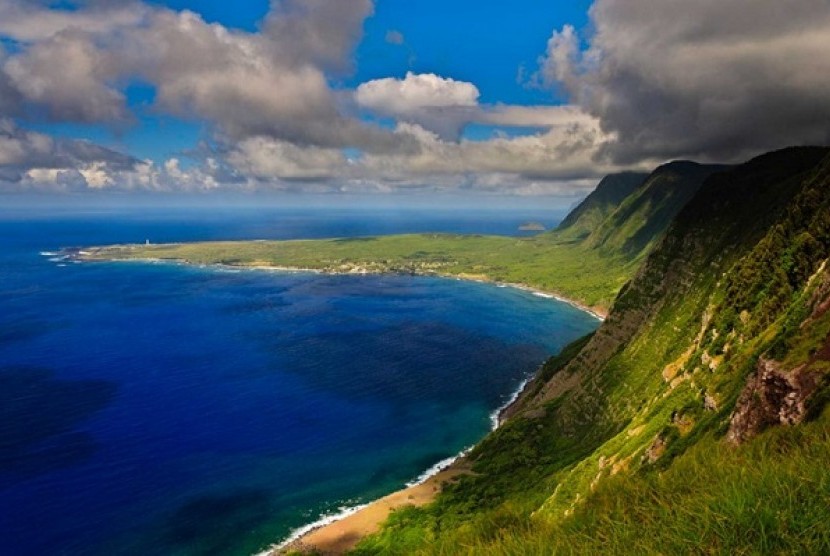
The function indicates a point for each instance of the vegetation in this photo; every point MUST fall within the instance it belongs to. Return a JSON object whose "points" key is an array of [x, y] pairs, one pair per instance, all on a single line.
{"points": [[625, 442], [609, 193], [618, 445], [589, 269], [542, 263], [768, 496]]}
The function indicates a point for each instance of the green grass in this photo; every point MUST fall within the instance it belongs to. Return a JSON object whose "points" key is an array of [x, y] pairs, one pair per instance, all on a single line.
{"points": [[617, 446], [769, 496], [570, 475], [628, 214], [543, 262]]}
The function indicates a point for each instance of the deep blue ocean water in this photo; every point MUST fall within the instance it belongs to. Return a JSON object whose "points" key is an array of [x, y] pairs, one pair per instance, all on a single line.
{"points": [[163, 409]]}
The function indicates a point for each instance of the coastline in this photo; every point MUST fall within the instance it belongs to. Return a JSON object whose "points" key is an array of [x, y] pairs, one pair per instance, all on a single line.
{"points": [[93, 255], [342, 533], [595, 312], [339, 532]]}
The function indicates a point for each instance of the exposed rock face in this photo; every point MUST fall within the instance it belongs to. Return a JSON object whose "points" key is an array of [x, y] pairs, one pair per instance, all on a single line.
{"points": [[657, 448], [772, 397]]}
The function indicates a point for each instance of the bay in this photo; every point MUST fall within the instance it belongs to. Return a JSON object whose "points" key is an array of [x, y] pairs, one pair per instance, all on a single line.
{"points": [[165, 409]]}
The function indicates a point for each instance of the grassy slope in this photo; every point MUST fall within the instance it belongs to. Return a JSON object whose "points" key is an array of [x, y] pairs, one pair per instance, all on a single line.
{"points": [[597, 206], [617, 446], [587, 269]]}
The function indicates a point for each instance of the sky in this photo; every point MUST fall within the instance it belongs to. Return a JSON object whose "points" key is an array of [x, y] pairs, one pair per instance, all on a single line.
{"points": [[451, 99]]}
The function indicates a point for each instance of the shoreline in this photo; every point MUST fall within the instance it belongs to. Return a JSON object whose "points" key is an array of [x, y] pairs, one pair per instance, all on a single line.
{"points": [[344, 531], [335, 533], [597, 313], [338, 532]]}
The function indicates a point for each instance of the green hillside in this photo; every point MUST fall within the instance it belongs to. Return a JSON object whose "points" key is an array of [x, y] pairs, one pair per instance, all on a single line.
{"points": [[599, 204], [589, 269], [693, 420], [646, 212]]}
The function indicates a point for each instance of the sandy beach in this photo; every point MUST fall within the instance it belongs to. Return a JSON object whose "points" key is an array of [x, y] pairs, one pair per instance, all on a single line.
{"points": [[340, 535], [344, 534]]}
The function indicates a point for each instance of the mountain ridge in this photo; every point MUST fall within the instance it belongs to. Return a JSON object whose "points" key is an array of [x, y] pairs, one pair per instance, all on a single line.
{"points": [[711, 366], [679, 370], [606, 196]]}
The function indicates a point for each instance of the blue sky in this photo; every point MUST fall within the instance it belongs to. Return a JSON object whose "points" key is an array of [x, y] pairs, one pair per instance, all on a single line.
{"points": [[483, 43], [529, 98]]}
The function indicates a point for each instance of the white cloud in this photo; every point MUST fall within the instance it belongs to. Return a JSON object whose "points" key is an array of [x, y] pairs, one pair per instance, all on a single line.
{"points": [[246, 84], [30, 20], [317, 32], [96, 175], [562, 152], [414, 93], [264, 158], [68, 75], [536, 116], [273, 116], [538, 163]]}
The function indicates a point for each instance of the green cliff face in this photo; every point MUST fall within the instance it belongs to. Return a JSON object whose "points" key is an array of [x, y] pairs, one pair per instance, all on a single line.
{"points": [[599, 204], [643, 216], [694, 419]]}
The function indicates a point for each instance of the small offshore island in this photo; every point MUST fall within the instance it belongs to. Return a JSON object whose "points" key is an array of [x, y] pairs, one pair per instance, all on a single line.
{"points": [[717, 329], [532, 227]]}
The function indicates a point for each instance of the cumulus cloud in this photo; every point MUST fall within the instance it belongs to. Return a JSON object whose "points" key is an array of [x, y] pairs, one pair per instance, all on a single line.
{"points": [[430, 111], [207, 71], [33, 20], [273, 117], [36, 161], [560, 153], [537, 116], [67, 74], [440, 104], [31, 159], [320, 32], [10, 98], [707, 79], [246, 84], [264, 93], [541, 163], [266, 158], [414, 93]]}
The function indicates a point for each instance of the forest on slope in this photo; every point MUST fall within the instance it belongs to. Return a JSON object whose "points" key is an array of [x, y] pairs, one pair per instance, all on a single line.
{"points": [[694, 419]]}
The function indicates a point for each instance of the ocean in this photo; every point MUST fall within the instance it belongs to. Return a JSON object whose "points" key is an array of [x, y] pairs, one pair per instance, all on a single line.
{"points": [[165, 409]]}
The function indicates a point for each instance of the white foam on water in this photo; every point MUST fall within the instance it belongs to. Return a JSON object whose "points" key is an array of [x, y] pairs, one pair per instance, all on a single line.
{"points": [[438, 467], [495, 415], [325, 519]]}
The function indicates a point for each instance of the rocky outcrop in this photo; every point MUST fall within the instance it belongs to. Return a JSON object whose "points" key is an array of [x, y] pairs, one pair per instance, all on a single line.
{"points": [[657, 449], [771, 397]]}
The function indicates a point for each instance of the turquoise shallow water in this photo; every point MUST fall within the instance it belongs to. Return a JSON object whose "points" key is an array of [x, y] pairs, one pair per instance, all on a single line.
{"points": [[163, 409]]}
